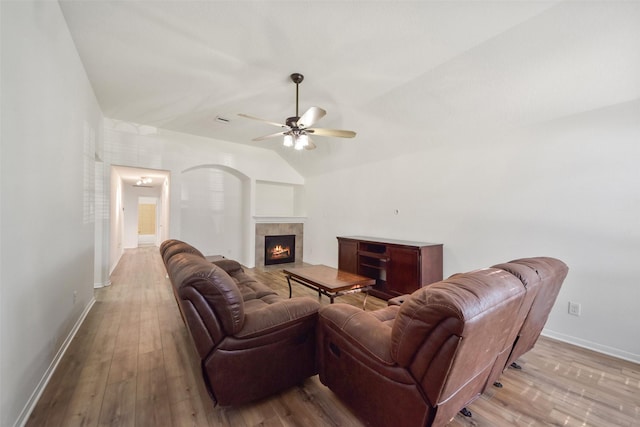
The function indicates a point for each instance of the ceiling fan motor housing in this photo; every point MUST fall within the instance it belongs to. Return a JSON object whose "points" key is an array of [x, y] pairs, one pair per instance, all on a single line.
{"points": [[292, 122]]}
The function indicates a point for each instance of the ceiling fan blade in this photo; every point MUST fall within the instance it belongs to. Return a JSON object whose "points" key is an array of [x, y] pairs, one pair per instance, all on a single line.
{"points": [[273, 135], [246, 116], [311, 116], [332, 132]]}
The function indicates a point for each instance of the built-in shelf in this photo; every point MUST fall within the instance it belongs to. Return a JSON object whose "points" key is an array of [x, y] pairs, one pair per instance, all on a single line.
{"points": [[280, 219]]}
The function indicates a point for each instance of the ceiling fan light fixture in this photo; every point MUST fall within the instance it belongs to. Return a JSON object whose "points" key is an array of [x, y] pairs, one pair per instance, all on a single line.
{"points": [[297, 127], [302, 141], [144, 180]]}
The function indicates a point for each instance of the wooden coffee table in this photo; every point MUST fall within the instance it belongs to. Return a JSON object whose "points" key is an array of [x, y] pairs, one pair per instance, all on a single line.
{"points": [[329, 281]]}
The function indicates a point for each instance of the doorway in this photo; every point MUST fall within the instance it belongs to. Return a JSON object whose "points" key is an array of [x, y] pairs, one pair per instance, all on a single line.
{"points": [[128, 192], [147, 221]]}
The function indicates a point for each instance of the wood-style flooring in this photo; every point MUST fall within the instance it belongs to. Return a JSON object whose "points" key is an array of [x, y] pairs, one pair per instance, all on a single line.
{"points": [[132, 363]]}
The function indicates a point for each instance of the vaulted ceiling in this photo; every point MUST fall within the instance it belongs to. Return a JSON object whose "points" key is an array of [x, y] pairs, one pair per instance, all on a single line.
{"points": [[393, 71]]}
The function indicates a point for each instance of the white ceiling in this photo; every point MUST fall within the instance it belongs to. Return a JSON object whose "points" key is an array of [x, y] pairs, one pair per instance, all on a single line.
{"points": [[385, 69]]}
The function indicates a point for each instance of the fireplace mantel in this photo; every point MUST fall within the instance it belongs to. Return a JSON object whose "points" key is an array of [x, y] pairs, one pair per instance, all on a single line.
{"points": [[279, 219]]}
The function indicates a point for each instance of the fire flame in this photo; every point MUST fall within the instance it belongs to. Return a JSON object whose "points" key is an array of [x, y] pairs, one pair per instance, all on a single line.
{"points": [[279, 251]]}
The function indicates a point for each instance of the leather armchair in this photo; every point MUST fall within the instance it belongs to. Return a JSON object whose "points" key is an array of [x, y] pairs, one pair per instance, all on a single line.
{"points": [[419, 362], [251, 341]]}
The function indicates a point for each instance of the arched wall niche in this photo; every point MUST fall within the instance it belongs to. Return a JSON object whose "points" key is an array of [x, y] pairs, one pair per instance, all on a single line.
{"points": [[215, 210]]}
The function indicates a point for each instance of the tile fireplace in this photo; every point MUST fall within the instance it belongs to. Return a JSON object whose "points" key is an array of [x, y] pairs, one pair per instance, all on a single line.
{"points": [[279, 230]]}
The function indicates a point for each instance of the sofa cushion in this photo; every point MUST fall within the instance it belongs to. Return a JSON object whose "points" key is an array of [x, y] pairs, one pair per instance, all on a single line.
{"points": [[362, 329], [251, 288], [275, 312], [387, 315]]}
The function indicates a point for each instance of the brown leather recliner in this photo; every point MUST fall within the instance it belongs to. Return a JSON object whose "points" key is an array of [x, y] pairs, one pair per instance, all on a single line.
{"points": [[534, 273], [419, 363], [551, 273], [530, 282], [251, 341]]}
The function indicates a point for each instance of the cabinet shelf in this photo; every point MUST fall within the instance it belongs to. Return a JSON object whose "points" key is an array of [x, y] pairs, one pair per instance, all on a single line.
{"points": [[399, 267], [377, 255], [379, 267]]}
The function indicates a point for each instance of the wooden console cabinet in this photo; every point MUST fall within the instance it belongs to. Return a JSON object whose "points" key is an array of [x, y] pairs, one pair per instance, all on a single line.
{"points": [[399, 267]]}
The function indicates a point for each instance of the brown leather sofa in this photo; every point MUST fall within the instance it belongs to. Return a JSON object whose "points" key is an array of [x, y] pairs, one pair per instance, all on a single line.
{"points": [[542, 278], [420, 362], [429, 354], [252, 342]]}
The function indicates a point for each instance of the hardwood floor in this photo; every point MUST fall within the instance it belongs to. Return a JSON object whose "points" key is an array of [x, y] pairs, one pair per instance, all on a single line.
{"points": [[132, 363]]}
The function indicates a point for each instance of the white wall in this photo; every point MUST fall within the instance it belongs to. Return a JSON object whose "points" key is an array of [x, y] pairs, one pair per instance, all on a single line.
{"points": [[102, 228], [273, 199], [213, 216], [114, 193], [50, 126], [567, 189], [165, 215]]}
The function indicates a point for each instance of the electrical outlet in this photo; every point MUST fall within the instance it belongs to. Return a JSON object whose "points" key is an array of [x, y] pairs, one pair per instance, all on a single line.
{"points": [[75, 296], [574, 308]]}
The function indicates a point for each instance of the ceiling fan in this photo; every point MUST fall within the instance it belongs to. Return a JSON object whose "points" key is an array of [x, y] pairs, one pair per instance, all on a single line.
{"points": [[297, 129]]}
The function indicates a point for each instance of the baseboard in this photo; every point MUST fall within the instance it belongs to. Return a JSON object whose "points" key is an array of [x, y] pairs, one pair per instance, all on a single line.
{"points": [[35, 396], [101, 285], [609, 351]]}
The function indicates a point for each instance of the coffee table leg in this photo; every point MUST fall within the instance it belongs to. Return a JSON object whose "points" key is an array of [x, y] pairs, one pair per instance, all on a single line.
{"points": [[289, 282], [364, 303]]}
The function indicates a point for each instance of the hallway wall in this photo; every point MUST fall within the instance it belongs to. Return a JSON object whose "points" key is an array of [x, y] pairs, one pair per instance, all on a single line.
{"points": [[51, 126]]}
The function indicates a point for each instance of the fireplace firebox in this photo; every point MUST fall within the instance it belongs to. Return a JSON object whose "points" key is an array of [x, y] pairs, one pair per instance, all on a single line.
{"points": [[279, 249]]}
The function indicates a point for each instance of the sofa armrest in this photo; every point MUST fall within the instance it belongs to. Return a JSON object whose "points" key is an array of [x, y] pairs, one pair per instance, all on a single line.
{"points": [[278, 315], [228, 265], [398, 300], [361, 328]]}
